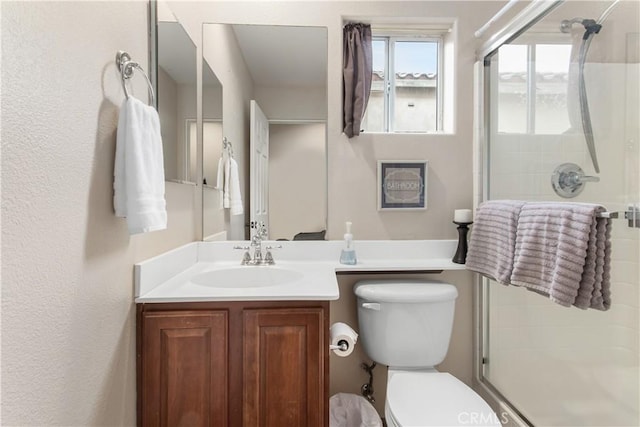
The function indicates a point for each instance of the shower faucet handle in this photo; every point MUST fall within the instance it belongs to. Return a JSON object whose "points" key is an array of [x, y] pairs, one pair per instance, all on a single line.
{"points": [[587, 178], [576, 178], [568, 180]]}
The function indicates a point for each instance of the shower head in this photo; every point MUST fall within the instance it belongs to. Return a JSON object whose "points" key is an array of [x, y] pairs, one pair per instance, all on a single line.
{"points": [[566, 24], [590, 25]]}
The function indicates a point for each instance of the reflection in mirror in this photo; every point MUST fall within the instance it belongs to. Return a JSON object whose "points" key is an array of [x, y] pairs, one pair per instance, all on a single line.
{"points": [[212, 124], [297, 179], [283, 69], [212, 213], [176, 89]]}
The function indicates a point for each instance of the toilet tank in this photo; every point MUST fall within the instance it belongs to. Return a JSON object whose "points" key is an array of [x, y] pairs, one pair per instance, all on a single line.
{"points": [[406, 323]]}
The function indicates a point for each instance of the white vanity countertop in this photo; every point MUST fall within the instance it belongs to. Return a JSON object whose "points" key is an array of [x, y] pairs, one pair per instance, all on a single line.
{"points": [[170, 277]]}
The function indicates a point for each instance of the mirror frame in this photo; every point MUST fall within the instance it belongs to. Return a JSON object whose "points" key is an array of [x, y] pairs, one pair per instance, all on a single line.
{"points": [[153, 49]]}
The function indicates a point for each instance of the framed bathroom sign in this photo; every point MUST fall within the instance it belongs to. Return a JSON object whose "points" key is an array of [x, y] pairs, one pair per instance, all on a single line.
{"points": [[402, 184]]}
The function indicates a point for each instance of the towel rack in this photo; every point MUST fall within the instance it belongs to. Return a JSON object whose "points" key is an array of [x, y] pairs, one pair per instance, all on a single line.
{"points": [[126, 66], [608, 214], [632, 215], [226, 145]]}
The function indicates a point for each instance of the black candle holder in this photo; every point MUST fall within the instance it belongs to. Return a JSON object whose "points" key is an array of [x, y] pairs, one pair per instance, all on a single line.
{"points": [[461, 253]]}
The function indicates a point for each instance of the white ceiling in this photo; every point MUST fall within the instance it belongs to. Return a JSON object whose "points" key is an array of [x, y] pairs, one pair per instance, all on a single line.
{"points": [[275, 55], [283, 55]]}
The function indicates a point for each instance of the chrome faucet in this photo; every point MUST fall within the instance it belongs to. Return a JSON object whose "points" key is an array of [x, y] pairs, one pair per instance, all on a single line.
{"points": [[256, 243]]}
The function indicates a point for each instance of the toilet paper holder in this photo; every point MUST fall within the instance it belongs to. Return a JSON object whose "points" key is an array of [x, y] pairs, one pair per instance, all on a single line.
{"points": [[342, 346]]}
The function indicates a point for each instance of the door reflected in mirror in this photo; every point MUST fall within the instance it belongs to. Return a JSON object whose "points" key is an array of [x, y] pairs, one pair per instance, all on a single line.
{"points": [[284, 69]]}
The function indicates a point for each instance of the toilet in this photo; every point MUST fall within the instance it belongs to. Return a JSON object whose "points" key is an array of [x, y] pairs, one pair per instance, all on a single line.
{"points": [[406, 325]]}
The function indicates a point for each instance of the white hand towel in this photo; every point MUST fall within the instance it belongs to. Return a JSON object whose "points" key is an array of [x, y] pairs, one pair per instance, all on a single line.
{"points": [[235, 197], [119, 181], [139, 168], [220, 182], [226, 197]]}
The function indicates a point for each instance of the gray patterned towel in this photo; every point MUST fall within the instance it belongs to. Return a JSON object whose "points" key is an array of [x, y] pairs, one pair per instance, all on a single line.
{"points": [[493, 239], [563, 250]]}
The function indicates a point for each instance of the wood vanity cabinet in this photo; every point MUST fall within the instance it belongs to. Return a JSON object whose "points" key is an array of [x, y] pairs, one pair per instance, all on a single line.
{"points": [[233, 364]]}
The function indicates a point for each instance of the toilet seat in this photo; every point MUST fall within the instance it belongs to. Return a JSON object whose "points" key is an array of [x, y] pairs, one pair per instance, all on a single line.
{"points": [[419, 399]]}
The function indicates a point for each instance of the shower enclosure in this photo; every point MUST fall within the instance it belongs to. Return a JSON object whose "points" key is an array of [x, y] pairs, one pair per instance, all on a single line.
{"points": [[551, 364]]}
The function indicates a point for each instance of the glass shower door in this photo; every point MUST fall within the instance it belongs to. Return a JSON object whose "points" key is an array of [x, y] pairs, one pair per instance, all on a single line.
{"points": [[557, 365]]}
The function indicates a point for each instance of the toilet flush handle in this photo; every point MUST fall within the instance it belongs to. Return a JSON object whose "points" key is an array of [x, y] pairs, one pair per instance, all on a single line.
{"points": [[371, 306]]}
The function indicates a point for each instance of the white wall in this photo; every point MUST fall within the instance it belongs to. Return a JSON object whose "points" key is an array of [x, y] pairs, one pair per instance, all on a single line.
{"points": [[68, 338]]}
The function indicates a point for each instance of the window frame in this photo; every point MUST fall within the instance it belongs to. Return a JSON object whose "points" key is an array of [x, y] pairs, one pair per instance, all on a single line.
{"points": [[531, 43], [390, 79]]}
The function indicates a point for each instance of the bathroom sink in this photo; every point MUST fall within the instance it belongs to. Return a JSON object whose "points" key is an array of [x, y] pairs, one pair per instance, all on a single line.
{"points": [[246, 277]]}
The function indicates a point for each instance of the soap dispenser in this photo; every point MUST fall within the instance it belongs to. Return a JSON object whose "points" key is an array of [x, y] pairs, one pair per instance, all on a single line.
{"points": [[348, 254]]}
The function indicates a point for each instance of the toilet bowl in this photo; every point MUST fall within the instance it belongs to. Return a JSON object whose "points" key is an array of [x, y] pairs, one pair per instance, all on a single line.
{"points": [[431, 398], [407, 326]]}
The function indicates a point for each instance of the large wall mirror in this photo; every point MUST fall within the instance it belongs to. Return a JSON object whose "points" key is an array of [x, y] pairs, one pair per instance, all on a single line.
{"points": [[176, 92], [214, 227], [274, 78]]}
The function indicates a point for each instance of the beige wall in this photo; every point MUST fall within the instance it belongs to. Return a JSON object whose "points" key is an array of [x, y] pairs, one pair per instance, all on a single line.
{"points": [[68, 339], [186, 104], [297, 179], [68, 344], [220, 49], [168, 112], [352, 163], [292, 103]]}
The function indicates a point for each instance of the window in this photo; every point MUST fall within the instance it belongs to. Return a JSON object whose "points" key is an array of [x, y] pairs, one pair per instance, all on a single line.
{"points": [[406, 89], [532, 86]]}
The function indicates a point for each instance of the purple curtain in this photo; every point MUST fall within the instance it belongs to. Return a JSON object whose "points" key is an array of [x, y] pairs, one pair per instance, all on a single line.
{"points": [[356, 74]]}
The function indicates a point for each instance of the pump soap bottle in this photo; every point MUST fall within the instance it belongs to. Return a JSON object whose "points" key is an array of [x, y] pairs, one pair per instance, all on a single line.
{"points": [[348, 254]]}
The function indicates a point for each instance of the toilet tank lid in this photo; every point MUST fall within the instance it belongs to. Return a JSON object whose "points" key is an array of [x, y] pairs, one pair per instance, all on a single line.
{"points": [[405, 291]]}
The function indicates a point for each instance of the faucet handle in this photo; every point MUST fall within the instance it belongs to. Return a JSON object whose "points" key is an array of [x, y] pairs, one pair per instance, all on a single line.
{"points": [[243, 248], [587, 178], [268, 257]]}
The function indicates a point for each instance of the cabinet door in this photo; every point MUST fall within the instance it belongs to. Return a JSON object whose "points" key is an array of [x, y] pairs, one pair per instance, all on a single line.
{"points": [[284, 367], [184, 368]]}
